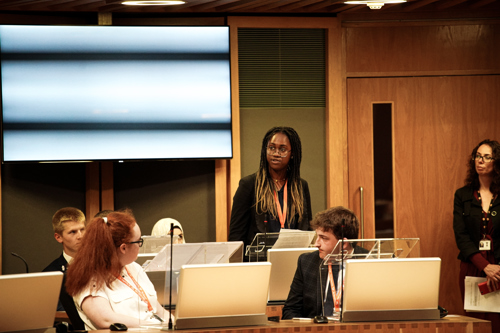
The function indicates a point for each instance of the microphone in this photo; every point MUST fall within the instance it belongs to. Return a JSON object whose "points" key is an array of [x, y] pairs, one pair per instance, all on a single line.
{"points": [[341, 271], [170, 325], [25, 263]]}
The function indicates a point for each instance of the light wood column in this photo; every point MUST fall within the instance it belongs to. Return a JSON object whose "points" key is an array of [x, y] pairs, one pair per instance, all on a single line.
{"points": [[336, 119], [92, 197], [228, 172], [1, 237], [107, 191], [222, 200]]}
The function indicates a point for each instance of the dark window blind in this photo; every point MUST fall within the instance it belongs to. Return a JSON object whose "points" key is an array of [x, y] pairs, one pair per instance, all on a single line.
{"points": [[281, 67]]}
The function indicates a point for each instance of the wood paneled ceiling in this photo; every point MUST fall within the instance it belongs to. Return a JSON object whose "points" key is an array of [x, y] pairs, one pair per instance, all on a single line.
{"points": [[487, 8]]}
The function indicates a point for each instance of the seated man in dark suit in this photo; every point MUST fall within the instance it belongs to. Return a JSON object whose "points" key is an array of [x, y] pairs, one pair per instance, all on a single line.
{"points": [[69, 226], [305, 296]]}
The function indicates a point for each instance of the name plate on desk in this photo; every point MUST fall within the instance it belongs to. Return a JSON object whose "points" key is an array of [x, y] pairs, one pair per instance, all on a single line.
{"points": [[222, 321], [381, 315]]}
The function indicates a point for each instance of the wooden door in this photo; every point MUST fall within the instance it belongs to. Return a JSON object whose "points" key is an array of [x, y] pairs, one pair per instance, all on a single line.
{"points": [[436, 122]]}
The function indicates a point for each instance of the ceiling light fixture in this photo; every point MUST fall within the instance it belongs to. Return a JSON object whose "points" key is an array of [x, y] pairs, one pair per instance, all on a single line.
{"points": [[153, 2], [373, 4]]}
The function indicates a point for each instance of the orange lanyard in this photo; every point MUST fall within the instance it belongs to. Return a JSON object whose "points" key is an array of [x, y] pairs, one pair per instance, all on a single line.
{"points": [[336, 295], [282, 214], [139, 291]]}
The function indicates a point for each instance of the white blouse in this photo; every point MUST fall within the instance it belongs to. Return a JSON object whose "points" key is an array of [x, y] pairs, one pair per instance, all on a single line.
{"points": [[122, 298]]}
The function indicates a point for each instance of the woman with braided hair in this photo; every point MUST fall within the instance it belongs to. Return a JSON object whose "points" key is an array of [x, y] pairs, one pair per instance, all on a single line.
{"points": [[275, 197]]}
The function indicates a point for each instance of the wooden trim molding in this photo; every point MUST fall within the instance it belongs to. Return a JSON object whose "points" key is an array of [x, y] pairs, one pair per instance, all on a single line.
{"points": [[92, 202], [222, 200], [423, 73], [99, 188], [416, 23], [1, 227], [107, 192], [234, 165]]}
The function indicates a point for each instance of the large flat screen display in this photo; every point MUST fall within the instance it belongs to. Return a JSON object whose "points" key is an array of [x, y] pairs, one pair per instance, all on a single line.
{"points": [[87, 93]]}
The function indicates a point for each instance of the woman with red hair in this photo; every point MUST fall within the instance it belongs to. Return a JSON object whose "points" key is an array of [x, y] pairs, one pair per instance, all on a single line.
{"points": [[105, 282]]}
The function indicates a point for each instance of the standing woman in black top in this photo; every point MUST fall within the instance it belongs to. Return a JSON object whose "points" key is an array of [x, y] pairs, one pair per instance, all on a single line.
{"points": [[275, 197], [476, 221]]}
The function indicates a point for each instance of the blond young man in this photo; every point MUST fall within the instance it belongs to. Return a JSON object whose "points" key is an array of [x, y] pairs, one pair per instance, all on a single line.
{"points": [[69, 226]]}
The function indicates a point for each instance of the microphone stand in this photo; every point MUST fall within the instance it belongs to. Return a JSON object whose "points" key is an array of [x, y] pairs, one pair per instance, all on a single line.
{"points": [[25, 263], [341, 271], [265, 237], [170, 325], [321, 319]]}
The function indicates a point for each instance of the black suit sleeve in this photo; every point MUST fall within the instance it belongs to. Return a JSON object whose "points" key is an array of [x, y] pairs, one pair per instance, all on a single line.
{"points": [[306, 225], [241, 212], [465, 224], [58, 265], [295, 301], [304, 299]]}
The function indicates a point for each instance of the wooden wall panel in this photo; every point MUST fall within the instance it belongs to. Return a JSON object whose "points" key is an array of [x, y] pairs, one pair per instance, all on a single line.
{"points": [[396, 49], [92, 193], [437, 122], [107, 186]]}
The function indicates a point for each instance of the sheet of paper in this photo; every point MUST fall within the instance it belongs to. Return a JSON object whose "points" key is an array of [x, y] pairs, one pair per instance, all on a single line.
{"points": [[293, 239], [475, 302]]}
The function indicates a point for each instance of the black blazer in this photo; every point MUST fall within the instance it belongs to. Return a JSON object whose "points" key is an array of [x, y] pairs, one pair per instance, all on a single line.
{"points": [[58, 265], [305, 298], [66, 302], [467, 223], [246, 223]]}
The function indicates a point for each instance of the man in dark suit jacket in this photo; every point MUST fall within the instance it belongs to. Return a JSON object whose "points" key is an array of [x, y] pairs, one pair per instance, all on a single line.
{"points": [[69, 226], [305, 296], [60, 264]]}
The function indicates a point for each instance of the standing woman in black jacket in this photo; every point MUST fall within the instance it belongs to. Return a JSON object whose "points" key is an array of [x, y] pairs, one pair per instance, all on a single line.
{"points": [[476, 221], [275, 193]]}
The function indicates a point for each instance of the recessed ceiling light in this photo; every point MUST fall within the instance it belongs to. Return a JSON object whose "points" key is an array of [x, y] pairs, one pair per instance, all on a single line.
{"points": [[153, 2], [365, 2], [373, 4]]}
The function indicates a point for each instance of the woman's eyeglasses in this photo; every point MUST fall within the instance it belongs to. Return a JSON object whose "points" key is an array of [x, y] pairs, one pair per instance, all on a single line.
{"points": [[486, 158], [140, 242], [282, 152]]}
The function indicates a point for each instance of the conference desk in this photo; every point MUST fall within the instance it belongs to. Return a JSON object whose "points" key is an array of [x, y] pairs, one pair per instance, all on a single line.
{"points": [[272, 311], [449, 324]]}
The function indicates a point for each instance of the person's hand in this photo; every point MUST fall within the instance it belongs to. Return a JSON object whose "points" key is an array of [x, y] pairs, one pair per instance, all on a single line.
{"points": [[492, 276], [492, 285]]}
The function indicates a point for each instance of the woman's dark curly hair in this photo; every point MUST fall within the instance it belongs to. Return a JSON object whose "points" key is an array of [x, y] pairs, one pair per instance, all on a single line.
{"points": [[472, 178]]}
